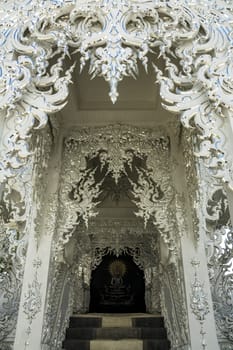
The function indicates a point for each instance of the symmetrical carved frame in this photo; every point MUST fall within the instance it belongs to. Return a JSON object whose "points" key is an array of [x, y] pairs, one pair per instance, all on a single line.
{"points": [[128, 237], [116, 147], [193, 44]]}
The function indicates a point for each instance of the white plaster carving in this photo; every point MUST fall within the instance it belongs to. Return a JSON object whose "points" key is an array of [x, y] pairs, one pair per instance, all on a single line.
{"points": [[219, 253], [151, 188], [32, 300], [152, 149], [113, 47], [222, 284], [18, 213], [32, 86], [199, 302], [88, 248], [215, 218], [122, 237]]}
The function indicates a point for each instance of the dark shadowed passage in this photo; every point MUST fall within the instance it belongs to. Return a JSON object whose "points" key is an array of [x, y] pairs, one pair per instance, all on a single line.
{"points": [[117, 286]]}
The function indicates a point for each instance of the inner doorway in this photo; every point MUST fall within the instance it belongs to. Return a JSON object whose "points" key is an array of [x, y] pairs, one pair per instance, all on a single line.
{"points": [[117, 286]]}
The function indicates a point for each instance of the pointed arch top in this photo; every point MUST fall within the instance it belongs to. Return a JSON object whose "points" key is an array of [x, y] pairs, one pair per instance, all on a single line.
{"points": [[194, 41]]}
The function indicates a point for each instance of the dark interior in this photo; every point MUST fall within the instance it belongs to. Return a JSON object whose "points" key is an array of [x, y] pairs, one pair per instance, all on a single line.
{"points": [[117, 286]]}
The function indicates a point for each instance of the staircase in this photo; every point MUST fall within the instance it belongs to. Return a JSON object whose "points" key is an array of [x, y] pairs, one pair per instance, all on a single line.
{"points": [[116, 332]]}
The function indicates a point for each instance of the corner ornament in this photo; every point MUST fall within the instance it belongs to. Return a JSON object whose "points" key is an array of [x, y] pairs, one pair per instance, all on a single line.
{"points": [[198, 302]]}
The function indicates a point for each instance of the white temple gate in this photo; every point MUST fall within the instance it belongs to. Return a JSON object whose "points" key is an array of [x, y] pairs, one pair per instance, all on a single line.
{"points": [[56, 162]]}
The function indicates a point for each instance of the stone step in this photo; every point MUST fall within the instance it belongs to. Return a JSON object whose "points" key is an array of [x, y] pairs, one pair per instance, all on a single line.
{"points": [[151, 322], [116, 321], [80, 321], [116, 333], [126, 344]]}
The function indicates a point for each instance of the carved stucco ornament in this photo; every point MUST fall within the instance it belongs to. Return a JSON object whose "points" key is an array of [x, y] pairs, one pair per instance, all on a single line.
{"points": [[193, 41], [199, 302], [151, 188], [33, 302], [218, 244]]}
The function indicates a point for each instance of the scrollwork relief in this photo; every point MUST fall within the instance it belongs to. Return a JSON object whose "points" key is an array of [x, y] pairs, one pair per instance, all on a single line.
{"points": [[191, 176], [218, 243], [220, 259], [13, 247], [32, 300], [199, 302], [89, 152], [89, 158], [19, 218], [135, 249], [12, 258], [32, 86], [113, 37]]}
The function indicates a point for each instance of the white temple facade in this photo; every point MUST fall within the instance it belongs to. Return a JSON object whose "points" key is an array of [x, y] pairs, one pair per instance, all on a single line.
{"points": [[116, 176]]}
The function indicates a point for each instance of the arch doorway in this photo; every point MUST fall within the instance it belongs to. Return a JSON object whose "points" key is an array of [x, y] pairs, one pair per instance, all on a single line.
{"points": [[117, 286]]}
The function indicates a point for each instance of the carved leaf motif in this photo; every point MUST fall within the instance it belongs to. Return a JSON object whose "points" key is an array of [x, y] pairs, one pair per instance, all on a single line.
{"points": [[198, 299], [33, 302]]}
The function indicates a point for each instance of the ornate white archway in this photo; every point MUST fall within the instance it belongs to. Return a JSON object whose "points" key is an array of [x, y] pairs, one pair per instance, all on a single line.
{"points": [[194, 43], [143, 156]]}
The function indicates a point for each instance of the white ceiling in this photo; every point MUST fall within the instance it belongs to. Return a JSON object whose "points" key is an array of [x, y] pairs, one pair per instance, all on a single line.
{"points": [[90, 104]]}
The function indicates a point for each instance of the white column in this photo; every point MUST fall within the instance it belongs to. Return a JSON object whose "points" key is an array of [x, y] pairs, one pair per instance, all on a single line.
{"points": [[36, 273], [188, 252], [228, 131], [191, 249], [2, 127]]}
